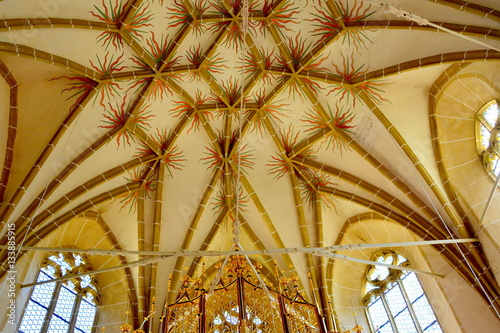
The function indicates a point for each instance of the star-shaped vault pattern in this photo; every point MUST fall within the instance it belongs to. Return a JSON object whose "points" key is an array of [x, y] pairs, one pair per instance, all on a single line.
{"points": [[172, 120]]}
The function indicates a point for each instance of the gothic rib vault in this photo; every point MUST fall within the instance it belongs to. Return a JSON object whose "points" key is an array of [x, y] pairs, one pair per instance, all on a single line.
{"points": [[150, 125]]}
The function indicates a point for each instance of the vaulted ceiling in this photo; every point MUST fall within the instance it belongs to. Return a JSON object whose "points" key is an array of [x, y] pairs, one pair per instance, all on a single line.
{"points": [[167, 125]]}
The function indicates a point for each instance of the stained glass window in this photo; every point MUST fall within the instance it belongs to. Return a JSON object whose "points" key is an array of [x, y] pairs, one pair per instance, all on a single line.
{"points": [[395, 299], [61, 306], [86, 315], [488, 136]]}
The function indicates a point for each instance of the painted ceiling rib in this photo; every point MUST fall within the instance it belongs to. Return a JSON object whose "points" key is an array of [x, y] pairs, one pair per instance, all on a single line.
{"points": [[301, 220], [229, 193], [438, 59], [227, 131], [268, 262], [471, 8], [280, 43], [7, 75], [376, 191], [129, 11], [327, 77], [267, 219], [230, 8], [234, 153], [219, 92], [43, 231], [73, 114], [423, 229], [179, 38], [228, 253], [309, 142], [434, 94], [279, 144], [138, 49], [219, 221], [155, 237], [186, 106], [254, 51], [277, 90], [320, 242], [454, 256], [455, 251], [422, 21], [74, 194], [141, 246], [179, 128], [90, 204], [35, 54], [214, 140], [262, 211], [469, 30], [212, 49], [387, 173], [318, 228], [321, 47], [111, 238], [353, 144], [332, 6], [54, 22], [140, 134], [217, 174], [464, 227], [181, 92]]}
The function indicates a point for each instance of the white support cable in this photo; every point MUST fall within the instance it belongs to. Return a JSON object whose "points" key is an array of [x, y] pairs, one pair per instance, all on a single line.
{"points": [[214, 283], [450, 233], [412, 17], [261, 282], [422, 21], [320, 251], [369, 262], [185, 253], [227, 254]]}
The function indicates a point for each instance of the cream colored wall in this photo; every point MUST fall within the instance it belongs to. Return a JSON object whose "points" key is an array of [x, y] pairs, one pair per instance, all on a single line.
{"points": [[470, 310], [457, 105], [457, 306], [81, 233]]}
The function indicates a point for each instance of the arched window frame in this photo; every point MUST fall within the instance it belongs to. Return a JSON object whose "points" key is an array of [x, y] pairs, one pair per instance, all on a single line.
{"points": [[85, 288], [378, 288], [487, 141]]}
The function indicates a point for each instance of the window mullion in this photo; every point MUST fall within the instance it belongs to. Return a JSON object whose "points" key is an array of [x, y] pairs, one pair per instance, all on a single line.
{"points": [[52, 307], [485, 123], [389, 313], [409, 305], [74, 314]]}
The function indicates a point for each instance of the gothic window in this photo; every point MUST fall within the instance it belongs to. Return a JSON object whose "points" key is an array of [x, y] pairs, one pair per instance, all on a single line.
{"points": [[63, 306], [488, 136], [395, 300]]}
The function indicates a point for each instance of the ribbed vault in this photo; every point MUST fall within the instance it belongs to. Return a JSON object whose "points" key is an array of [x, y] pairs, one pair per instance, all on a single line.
{"points": [[303, 123]]}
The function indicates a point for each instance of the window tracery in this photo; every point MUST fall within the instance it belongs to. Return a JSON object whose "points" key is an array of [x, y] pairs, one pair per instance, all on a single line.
{"points": [[488, 135], [62, 306], [395, 300]]}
